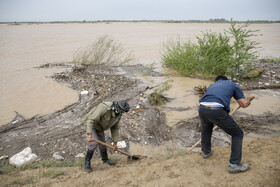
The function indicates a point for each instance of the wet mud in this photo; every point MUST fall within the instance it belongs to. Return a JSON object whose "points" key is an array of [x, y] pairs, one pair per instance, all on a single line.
{"points": [[64, 132]]}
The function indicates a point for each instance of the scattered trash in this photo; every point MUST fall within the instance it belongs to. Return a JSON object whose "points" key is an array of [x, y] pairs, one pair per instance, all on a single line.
{"points": [[84, 92], [121, 144], [14, 122], [80, 155], [4, 157], [57, 156], [23, 157]]}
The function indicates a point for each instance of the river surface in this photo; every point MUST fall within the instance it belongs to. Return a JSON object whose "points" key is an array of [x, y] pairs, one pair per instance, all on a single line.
{"points": [[29, 91]]}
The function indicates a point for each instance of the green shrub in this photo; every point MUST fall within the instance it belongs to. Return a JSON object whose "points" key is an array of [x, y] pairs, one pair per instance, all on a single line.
{"points": [[215, 53], [244, 50], [181, 56]]}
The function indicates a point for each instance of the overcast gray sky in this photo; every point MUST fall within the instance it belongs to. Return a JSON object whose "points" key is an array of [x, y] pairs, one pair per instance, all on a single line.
{"points": [[92, 10]]}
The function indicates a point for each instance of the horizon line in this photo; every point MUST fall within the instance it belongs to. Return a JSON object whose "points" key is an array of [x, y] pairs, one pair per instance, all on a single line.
{"points": [[167, 20]]}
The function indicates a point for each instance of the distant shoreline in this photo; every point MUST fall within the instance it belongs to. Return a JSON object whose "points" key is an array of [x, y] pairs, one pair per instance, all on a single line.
{"points": [[139, 21]]}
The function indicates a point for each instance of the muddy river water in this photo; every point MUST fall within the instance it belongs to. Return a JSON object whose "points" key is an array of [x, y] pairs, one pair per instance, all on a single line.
{"points": [[30, 91]]}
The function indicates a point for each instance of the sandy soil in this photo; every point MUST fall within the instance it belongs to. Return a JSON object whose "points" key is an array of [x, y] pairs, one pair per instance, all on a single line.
{"points": [[181, 170]]}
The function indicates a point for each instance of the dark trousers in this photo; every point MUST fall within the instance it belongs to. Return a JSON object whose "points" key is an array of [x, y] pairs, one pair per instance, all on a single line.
{"points": [[218, 116], [99, 135]]}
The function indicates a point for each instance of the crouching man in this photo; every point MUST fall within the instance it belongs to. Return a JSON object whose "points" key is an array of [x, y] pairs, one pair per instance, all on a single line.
{"points": [[104, 116], [214, 108]]}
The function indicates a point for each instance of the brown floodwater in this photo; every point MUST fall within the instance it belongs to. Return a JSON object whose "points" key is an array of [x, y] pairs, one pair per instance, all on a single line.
{"points": [[29, 91]]}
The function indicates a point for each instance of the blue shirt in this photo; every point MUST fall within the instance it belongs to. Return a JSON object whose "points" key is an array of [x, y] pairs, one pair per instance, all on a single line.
{"points": [[221, 92]]}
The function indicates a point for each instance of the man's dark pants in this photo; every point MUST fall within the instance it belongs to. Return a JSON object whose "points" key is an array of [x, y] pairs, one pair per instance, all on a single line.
{"points": [[218, 116], [98, 135]]}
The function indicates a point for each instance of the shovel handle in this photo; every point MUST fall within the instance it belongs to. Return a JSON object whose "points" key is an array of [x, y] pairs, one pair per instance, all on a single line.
{"points": [[111, 147], [199, 141]]}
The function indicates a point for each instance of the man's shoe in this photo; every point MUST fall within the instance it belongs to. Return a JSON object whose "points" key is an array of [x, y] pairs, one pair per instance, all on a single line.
{"points": [[87, 161], [236, 168], [88, 166], [109, 162], [105, 158], [207, 155]]}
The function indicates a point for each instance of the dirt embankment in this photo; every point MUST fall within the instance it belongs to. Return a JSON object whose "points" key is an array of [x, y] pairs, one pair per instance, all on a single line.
{"points": [[63, 132], [181, 170]]}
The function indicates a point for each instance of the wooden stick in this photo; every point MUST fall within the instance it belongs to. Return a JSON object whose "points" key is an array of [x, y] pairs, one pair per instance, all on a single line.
{"points": [[199, 141], [111, 147]]}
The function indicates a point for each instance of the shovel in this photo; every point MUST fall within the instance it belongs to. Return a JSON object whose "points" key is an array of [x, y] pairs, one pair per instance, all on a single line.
{"points": [[130, 157], [216, 127]]}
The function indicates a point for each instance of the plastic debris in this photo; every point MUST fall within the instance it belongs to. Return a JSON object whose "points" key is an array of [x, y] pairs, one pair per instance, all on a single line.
{"points": [[23, 157], [84, 92], [57, 156], [121, 144]]}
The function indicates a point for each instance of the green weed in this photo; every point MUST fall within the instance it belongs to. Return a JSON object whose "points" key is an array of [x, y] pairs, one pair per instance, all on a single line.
{"points": [[6, 169], [230, 53], [21, 181], [148, 69], [173, 154], [269, 59], [42, 164], [52, 173], [156, 98]]}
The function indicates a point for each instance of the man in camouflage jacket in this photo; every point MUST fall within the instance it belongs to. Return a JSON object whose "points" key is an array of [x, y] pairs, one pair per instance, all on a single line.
{"points": [[104, 116]]}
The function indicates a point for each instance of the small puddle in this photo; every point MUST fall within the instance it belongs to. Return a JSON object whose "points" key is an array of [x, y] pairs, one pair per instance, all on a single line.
{"points": [[183, 101]]}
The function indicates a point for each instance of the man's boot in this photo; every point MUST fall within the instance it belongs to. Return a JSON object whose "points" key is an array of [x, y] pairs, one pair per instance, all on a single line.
{"points": [[87, 160], [105, 158]]}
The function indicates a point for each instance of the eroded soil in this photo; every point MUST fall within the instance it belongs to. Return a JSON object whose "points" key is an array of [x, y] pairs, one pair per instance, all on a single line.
{"points": [[63, 131]]}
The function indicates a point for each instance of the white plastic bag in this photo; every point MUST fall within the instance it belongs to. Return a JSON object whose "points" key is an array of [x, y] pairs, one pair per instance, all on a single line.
{"points": [[120, 144], [22, 157]]}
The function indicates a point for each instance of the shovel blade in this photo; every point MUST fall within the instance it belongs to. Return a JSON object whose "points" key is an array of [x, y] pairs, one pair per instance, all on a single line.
{"points": [[133, 157]]}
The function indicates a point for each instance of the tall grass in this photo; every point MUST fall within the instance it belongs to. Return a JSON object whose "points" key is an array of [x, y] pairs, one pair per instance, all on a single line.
{"points": [[183, 57], [244, 50], [214, 52], [104, 50], [6, 168], [270, 59], [230, 53]]}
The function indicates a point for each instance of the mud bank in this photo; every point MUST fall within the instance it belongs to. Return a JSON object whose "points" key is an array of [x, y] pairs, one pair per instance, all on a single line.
{"points": [[64, 132]]}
